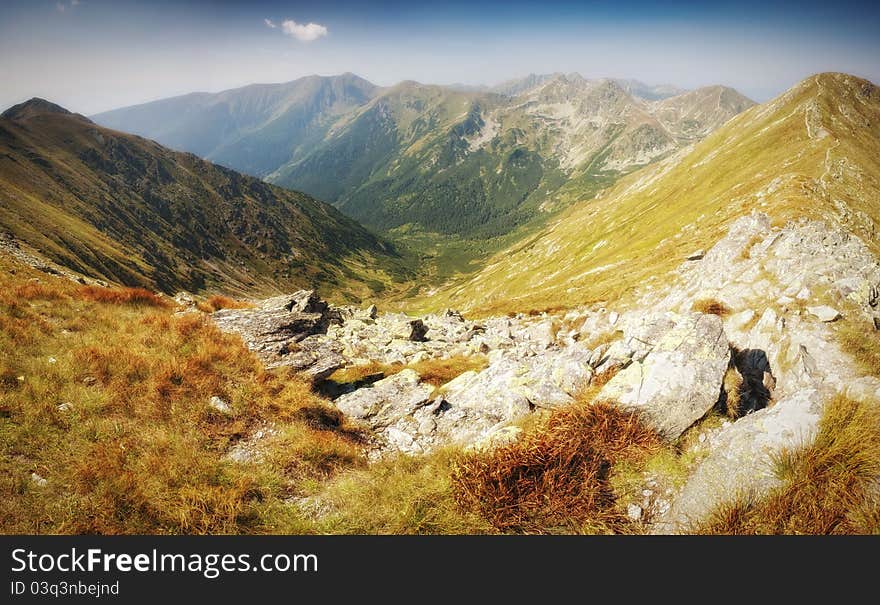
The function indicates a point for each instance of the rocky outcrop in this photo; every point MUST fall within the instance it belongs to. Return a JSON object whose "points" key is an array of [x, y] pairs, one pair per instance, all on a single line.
{"points": [[279, 332], [676, 374], [410, 416], [740, 464]]}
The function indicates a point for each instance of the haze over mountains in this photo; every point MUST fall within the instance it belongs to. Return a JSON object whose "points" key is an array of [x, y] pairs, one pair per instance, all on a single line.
{"points": [[473, 163], [125, 209]]}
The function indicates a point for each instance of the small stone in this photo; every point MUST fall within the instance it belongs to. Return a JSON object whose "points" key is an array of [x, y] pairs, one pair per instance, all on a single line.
{"points": [[696, 255], [702, 437], [20, 378], [221, 406], [634, 512], [38, 480], [824, 313], [53, 360], [65, 407], [89, 380], [647, 493]]}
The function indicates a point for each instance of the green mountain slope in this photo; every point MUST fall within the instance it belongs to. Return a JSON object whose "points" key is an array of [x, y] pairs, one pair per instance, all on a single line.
{"points": [[122, 208], [253, 129], [814, 151], [481, 164]]}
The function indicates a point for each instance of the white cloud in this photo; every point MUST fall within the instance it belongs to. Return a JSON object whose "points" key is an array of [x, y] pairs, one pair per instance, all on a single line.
{"points": [[303, 33], [63, 6], [269, 23]]}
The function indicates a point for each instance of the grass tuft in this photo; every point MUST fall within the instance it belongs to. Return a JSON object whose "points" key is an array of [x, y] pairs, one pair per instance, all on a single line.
{"points": [[710, 306], [122, 296], [217, 302], [557, 479]]}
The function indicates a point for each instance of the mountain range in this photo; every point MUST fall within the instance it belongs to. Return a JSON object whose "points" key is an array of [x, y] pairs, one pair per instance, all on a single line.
{"points": [[449, 160], [812, 152]]}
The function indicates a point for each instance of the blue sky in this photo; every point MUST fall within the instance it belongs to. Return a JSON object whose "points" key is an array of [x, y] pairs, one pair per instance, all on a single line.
{"points": [[93, 55]]}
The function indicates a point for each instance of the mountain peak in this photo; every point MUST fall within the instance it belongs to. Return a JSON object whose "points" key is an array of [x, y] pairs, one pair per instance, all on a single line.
{"points": [[33, 107]]}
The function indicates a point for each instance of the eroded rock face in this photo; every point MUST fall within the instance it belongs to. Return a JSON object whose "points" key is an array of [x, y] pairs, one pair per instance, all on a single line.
{"points": [[680, 376], [283, 331]]}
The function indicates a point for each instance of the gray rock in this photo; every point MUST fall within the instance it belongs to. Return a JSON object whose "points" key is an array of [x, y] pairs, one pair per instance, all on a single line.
{"points": [[271, 328], [679, 379], [740, 463], [38, 480], [824, 313], [387, 400], [634, 512], [218, 404]]}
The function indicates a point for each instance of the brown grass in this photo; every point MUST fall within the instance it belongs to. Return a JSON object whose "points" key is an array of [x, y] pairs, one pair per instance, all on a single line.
{"points": [[438, 372], [556, 479], [217, 302], [139, 450], [731, 400], [710, 306], [122, 296], [831, 487]]}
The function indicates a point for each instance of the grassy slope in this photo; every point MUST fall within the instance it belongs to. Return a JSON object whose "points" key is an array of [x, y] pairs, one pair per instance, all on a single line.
{"points": [[104, 395], [125, 209], [795, 156], [138, 449]]}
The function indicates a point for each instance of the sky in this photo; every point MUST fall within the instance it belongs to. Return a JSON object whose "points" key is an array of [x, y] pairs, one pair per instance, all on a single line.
{"points": [[95, 55]]}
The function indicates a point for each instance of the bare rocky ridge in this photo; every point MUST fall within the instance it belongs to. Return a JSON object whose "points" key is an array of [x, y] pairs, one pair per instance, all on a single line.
{"points": [[670, 359]]}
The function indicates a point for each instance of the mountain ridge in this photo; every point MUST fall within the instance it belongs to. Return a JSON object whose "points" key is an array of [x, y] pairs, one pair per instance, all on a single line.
{"points": [[122, 208], [810, 152]]}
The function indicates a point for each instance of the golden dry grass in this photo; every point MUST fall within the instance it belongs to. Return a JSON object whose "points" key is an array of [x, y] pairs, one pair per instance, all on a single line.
{"points": [[711, 306], [862, 342], [104, 393], [732, 391], [127, 296], [438, 372], [218, 301]]}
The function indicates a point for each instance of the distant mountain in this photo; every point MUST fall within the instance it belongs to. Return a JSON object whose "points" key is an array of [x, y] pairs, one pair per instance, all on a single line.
{"points": [[512, 88], [649, 92], [122, 208], [480, 164], [812, 152], [253, 129], [444, 159]]}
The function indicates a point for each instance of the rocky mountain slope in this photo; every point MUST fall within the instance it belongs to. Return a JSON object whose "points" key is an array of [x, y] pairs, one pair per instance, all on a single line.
{"points": [[760, 302], [812, 152], [124, 209], [480, 164], [758, 325]]}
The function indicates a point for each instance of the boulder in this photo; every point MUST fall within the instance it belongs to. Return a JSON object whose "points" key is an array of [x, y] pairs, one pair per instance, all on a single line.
{"points": [[741, 458], [387, 400], [679, 379], [284, 331], [824, 313]]}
